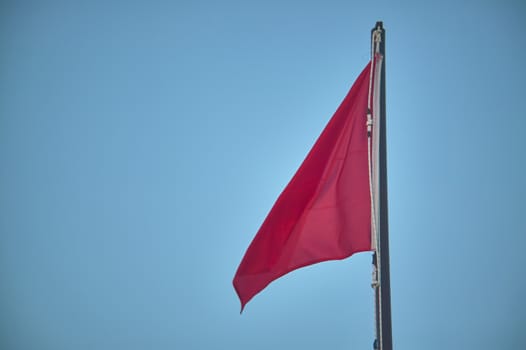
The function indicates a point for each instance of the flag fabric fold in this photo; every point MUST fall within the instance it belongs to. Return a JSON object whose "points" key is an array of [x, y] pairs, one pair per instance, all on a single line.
{"points": [[324, 213]]}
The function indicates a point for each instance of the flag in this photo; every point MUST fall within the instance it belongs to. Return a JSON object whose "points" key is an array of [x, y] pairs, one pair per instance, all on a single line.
{"points": [[324, 213]]}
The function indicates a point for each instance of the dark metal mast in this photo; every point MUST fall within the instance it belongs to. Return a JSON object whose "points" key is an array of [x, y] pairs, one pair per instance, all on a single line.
{"points": [[383, 288]]}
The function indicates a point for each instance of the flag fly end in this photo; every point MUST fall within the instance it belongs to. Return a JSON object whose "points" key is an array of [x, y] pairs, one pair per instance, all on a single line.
{"points": [[324, 211]]}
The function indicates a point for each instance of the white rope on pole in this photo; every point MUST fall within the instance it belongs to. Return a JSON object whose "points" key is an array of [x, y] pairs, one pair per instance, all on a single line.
{"points": [[376, 154], [372, 120]]}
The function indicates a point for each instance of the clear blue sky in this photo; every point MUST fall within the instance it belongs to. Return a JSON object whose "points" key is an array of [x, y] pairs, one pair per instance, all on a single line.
{"points": [[142, 145]]}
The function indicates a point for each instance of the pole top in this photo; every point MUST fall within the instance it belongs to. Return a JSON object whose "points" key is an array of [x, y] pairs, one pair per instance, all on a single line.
{"points": [[379, 25]]}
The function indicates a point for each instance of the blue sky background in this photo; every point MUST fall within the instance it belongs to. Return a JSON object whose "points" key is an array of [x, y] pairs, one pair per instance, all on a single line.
{"points": [[142, 144]]}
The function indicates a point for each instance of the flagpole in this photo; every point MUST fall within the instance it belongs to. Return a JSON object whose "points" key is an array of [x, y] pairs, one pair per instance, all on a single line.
{"points": [[381, 262]]}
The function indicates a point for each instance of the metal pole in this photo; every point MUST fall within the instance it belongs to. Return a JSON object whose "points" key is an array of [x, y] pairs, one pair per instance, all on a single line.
{"points": [[383, 291]]}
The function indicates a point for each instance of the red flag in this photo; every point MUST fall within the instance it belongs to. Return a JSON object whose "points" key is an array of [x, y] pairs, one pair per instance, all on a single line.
{"points": [[324, 213]]}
